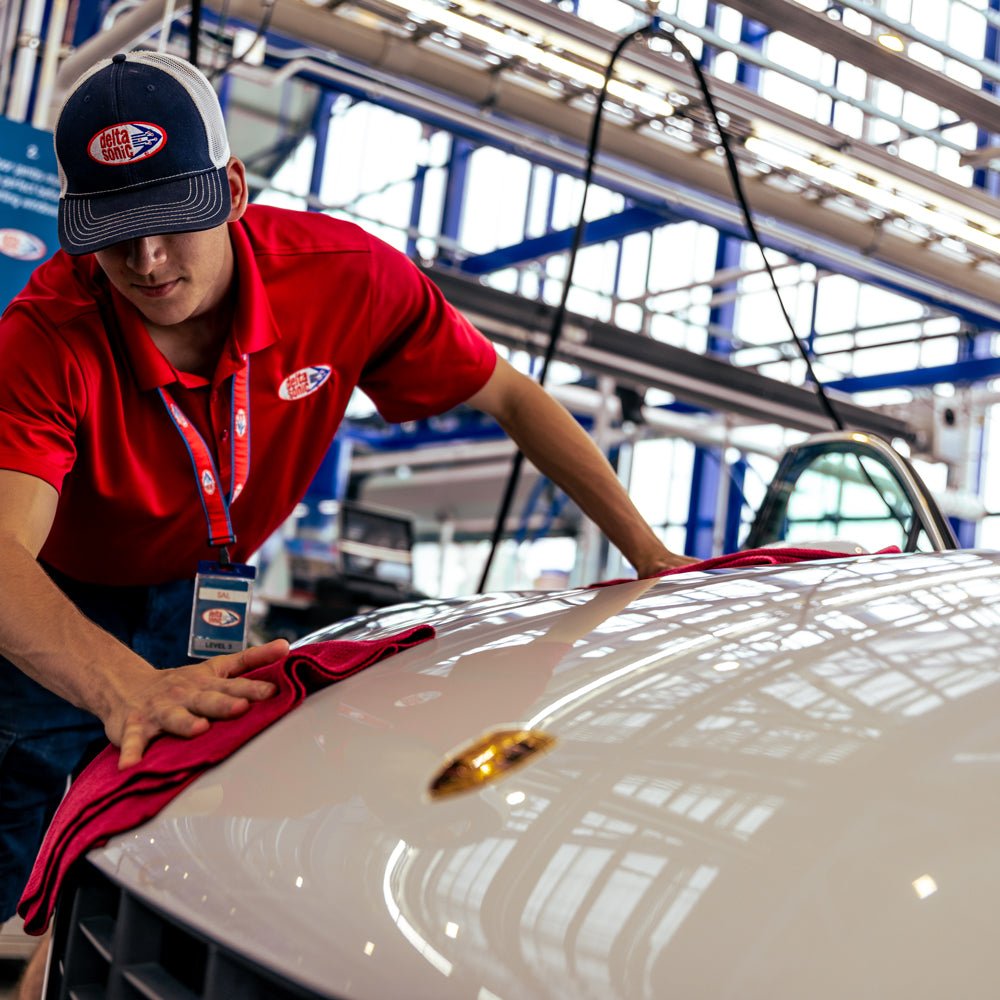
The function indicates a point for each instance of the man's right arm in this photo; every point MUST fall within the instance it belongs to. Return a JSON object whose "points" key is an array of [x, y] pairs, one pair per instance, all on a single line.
{"points": [[46, 637]]}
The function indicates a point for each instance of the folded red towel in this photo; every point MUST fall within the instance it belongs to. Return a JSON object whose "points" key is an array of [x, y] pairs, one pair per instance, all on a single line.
{"points": [[757, 557], [104, 801]]}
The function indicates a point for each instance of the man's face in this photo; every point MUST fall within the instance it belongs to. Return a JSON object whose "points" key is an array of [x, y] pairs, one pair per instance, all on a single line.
{"points": [[171, 278]]}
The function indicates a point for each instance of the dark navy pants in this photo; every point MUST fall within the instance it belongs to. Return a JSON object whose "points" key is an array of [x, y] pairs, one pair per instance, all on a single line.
{"points": [[44, 739]]}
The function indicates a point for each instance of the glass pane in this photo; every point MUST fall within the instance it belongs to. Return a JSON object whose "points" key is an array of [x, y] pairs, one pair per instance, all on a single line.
{"points": [[844, 497]]}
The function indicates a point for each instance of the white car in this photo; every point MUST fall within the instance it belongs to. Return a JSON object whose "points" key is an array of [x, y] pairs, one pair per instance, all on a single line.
{"points": [[777, 782]]}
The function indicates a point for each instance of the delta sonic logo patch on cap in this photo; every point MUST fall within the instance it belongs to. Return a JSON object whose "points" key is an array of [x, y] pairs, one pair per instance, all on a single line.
{"points": [[126, 143]]}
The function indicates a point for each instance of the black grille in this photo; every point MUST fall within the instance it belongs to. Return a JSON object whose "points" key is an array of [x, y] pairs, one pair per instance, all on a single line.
{"points": [[108, 945]]}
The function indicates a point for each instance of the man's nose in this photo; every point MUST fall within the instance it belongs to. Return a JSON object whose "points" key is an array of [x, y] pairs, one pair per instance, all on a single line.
{"points": [[145, 254]]}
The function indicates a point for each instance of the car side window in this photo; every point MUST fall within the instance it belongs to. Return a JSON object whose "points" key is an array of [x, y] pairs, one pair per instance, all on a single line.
{"points": [[849, 497], [852, 489]]}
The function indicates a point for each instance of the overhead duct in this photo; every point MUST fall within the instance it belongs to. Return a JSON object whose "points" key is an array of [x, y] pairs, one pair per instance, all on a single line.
{"points": [[633, 159], [643, 162]]}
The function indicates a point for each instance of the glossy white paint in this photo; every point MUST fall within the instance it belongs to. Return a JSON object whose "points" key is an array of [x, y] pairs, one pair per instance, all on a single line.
{"points": [[768, 783]]}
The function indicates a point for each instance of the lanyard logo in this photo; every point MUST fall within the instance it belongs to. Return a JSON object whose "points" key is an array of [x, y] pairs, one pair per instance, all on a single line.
{"points": [[179, 418], [213, 501]]}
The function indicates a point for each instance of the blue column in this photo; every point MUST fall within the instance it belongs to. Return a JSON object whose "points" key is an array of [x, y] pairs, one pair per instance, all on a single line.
{"points": [[329, 483], [985, 178], [973, 346], [89, 16], [976, 346], [734, 507], [416, 205], [706, 472], [454, 194], [321, 129]]}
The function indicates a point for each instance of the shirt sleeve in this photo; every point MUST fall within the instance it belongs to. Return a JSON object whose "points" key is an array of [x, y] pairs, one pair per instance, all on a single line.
{"points": [[426, 358], [42, 397]]}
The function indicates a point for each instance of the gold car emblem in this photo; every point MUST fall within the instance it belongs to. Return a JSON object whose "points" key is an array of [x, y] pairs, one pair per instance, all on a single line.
{"points": [[489, 758]]}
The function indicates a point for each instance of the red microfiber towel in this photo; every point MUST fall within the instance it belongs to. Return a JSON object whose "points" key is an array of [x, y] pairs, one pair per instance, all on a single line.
{"points": [[104, 801], [757, 557]]}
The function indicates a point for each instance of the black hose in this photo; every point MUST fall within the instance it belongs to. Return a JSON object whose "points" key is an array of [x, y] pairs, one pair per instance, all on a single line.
{"points": [[559, 317]]}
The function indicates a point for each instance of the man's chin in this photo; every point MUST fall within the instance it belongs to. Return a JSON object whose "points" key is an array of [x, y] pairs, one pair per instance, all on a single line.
{"points": [[162, 313]]}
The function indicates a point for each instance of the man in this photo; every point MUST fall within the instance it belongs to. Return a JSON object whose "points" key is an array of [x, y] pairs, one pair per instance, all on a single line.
{"points": [[172, 382]]}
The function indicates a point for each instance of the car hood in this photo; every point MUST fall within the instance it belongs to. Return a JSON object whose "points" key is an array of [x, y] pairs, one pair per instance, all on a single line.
{"points": [[779, 782]]}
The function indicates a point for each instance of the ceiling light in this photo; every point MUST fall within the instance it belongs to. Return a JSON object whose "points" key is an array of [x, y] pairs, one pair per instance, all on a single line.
{"points": [[874, 186], [514, 42], [891, 42]]}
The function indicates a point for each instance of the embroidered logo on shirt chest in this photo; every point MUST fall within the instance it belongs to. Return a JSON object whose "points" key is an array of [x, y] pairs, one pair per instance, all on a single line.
{"points": [[304, 382]]}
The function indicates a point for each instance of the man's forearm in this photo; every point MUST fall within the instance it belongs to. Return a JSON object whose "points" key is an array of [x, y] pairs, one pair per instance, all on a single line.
{"points": [[553, 441], [49, 639]]}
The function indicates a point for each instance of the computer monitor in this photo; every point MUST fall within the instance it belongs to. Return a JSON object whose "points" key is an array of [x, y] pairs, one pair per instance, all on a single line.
{"points": [[375, 544]]}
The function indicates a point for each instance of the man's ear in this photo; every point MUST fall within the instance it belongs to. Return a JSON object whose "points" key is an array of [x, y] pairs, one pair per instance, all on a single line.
{"points": [[237, 175]]}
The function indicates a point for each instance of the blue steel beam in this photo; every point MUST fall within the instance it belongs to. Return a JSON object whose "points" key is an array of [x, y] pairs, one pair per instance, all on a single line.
{"points": [[612, 227], [974, 370]]}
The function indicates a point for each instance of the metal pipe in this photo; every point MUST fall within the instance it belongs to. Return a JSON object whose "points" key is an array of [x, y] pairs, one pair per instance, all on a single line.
{"points": [[28, 42], [127, 31], [694, 184], [50, 63], [168, 19], [11, 14]]}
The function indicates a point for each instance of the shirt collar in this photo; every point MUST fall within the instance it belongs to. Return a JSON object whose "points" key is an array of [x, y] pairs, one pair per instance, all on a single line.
{"points": [[254, 327]]}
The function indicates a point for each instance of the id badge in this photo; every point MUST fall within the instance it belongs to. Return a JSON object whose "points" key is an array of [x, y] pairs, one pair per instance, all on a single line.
{"points": [[221, 608]]}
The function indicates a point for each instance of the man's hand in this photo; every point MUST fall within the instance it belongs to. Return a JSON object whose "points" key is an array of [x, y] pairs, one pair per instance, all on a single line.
{"points": [[662, 562], [182, 700], [558, 447]]}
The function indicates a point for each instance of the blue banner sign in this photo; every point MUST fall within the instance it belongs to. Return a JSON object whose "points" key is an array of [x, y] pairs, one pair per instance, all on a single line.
{"points": [[29, 196]]}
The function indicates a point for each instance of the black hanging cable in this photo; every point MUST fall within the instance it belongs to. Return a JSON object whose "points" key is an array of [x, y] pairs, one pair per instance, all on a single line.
{"points": [[194, 32], [220, 34], [559, 317], [265, 23], [737, 182], [655, 27]]}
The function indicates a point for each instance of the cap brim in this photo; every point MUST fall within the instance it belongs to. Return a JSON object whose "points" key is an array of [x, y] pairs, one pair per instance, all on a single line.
{"points": [[88, 223]]}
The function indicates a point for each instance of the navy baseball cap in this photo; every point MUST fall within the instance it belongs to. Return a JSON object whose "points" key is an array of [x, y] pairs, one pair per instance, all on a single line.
{"points": [[142, 150]]}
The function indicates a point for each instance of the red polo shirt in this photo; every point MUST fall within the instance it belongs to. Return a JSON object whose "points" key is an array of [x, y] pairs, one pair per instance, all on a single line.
{"points": [[79, 405]]}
